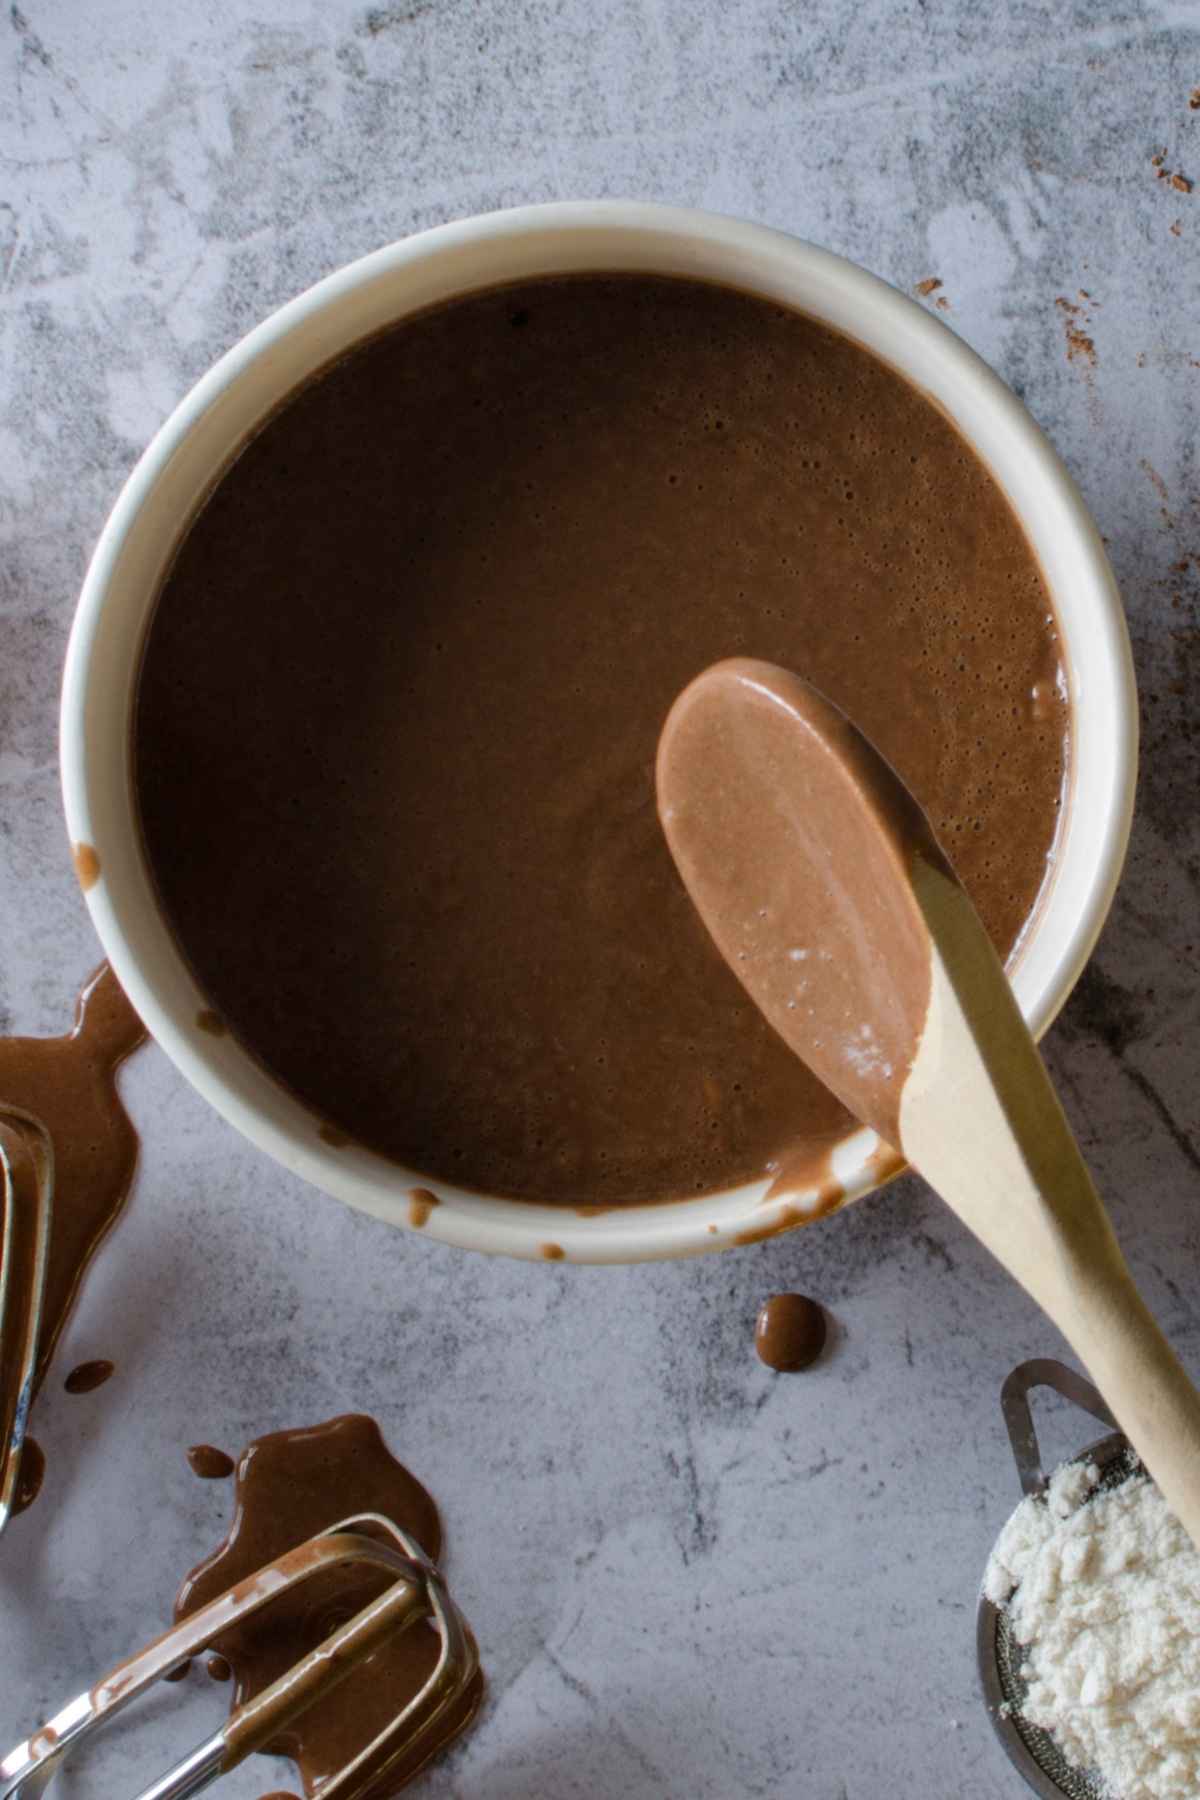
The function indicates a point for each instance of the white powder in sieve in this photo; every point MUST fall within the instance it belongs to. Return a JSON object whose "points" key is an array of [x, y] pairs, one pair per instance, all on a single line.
{"points": [[1104, 1595]]}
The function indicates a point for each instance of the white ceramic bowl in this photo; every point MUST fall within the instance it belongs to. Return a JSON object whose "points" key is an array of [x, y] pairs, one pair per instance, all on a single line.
{"points": [[193, 446]]}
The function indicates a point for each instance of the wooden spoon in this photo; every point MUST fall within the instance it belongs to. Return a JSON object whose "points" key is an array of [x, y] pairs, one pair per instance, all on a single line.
{"points": [[821, 882]]}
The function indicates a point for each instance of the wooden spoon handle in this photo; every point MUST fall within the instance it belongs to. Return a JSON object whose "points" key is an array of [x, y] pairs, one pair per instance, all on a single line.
{"points": [[1148, 1392], [981, 1121]]}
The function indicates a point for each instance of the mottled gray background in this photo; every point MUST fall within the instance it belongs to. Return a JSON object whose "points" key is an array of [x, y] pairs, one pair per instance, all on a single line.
{"points": [[689, 1578]]}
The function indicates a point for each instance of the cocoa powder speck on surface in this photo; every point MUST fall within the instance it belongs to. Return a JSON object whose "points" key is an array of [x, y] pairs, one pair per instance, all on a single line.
{"points": [[1174, 178], [1081, 346]]}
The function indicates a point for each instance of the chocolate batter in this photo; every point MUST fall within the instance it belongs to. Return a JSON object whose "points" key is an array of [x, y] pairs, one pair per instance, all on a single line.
{"points": [[790, 1332], [69, 1083], [290, 1486], [400, 698]]}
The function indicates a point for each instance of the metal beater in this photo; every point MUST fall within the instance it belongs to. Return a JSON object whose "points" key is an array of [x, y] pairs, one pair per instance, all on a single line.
{"points": [[27, 1203], [417, 1592]]}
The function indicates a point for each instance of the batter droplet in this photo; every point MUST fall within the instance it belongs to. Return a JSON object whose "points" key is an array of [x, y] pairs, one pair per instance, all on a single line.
{"points": [[790, 1333], [88, 1375], [421, 1203], [87, 865], [209, 1463]]}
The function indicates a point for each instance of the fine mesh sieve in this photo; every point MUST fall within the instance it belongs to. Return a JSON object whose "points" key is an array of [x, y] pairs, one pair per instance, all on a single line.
{"points": [[1032, 1751]]}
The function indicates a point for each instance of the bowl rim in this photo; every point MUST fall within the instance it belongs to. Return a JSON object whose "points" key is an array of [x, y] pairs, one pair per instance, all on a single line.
{"points": [[94, 764]]}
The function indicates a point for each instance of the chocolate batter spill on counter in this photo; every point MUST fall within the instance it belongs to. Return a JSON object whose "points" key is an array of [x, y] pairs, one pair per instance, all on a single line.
{"points": [[400, 697], [69, 1083], [291, 1485], [790, 1332]]}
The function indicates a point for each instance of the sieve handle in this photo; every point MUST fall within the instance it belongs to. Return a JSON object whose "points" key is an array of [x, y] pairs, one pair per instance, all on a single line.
{"points": [[1043, 1371]]}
